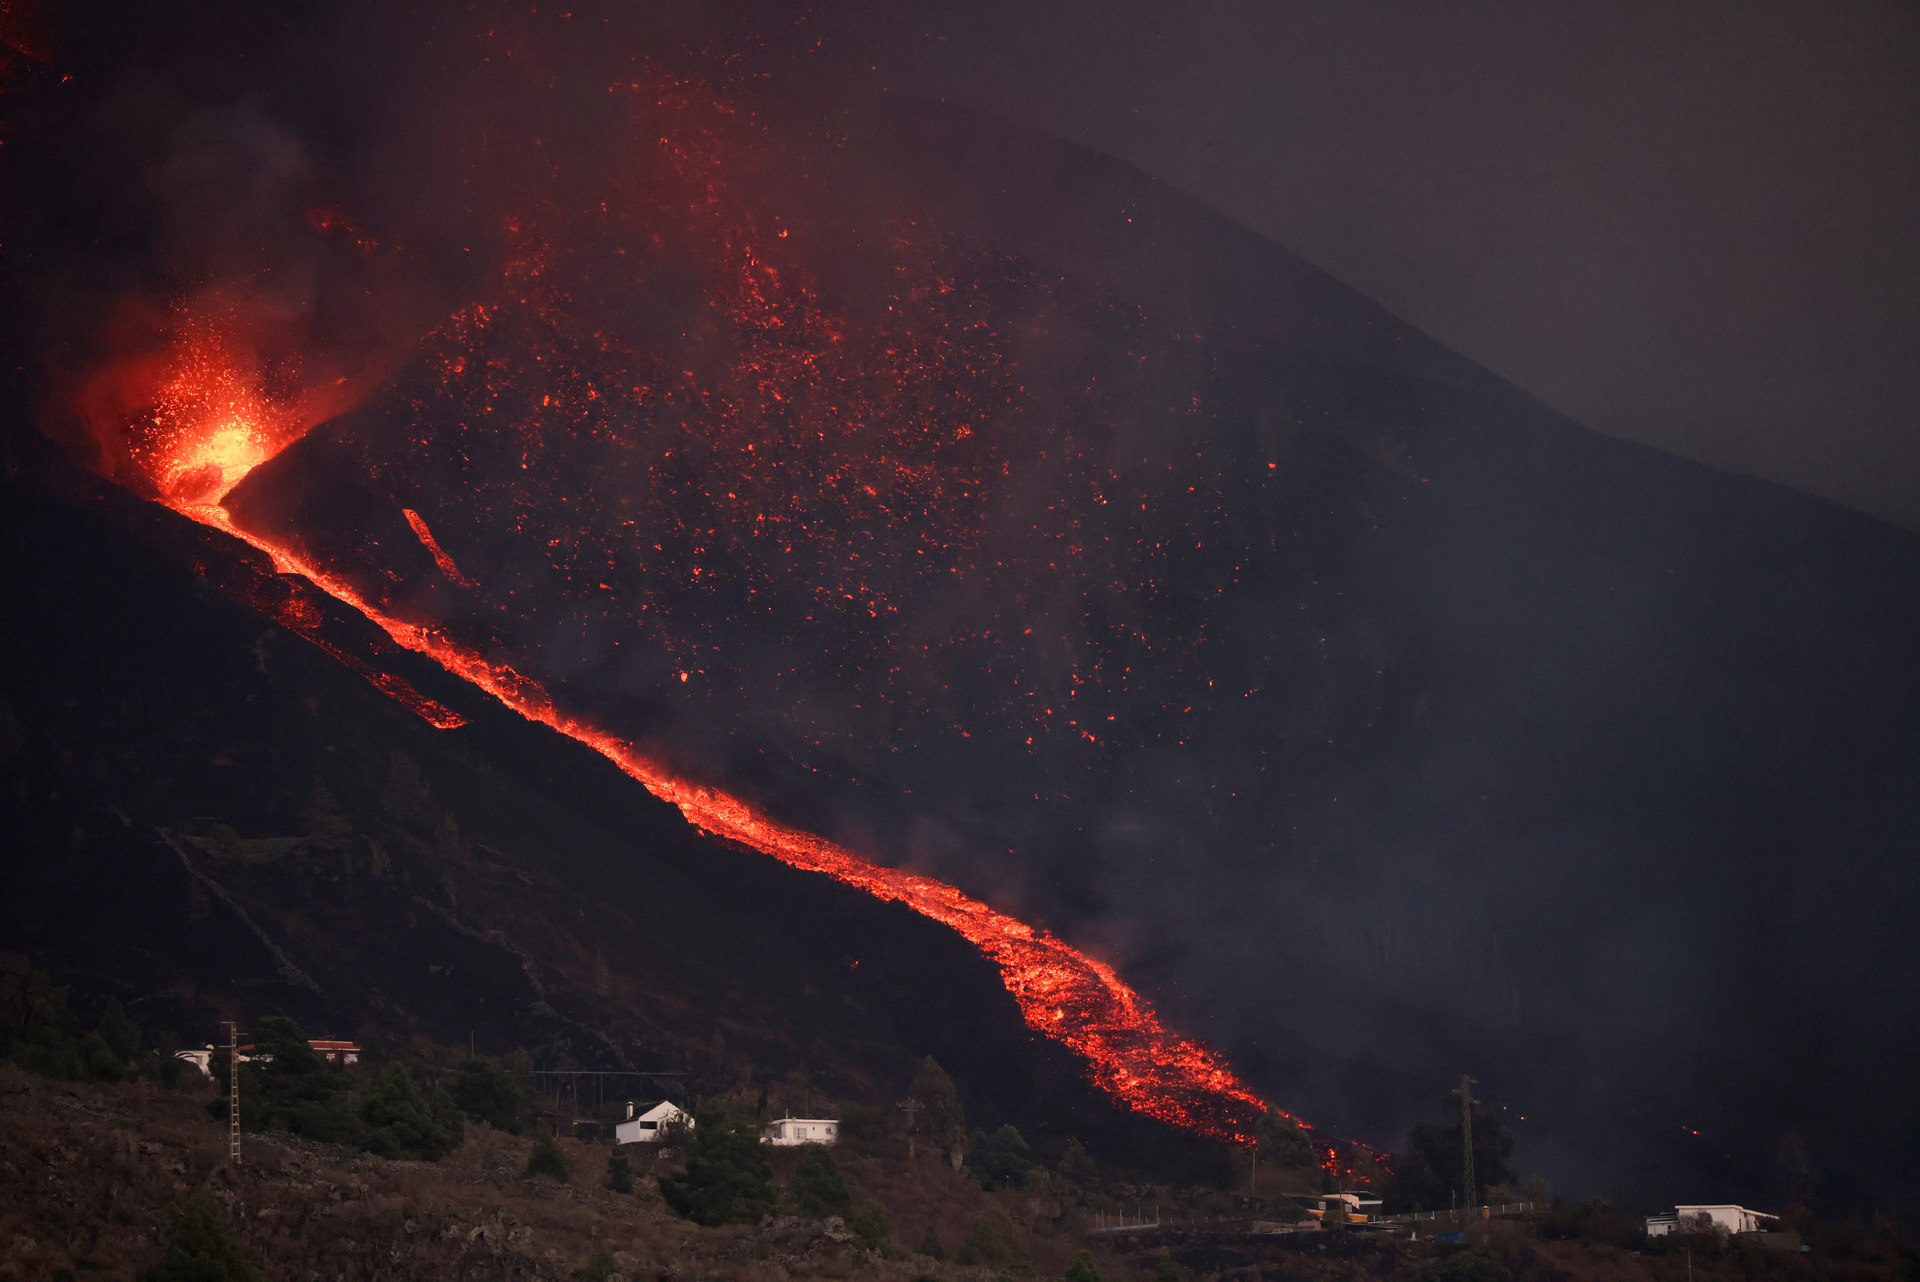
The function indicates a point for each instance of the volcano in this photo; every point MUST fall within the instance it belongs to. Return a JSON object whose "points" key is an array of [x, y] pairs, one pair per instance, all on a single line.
{"points": [[969, 507]]}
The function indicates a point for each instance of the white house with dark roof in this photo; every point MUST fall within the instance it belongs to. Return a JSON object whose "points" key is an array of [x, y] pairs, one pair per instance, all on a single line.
{"points": [[644, 1122]]}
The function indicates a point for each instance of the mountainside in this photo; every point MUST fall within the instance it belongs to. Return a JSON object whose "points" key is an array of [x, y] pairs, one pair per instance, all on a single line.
{"points": [[969, 499], [1385, 723], [212, 818]]}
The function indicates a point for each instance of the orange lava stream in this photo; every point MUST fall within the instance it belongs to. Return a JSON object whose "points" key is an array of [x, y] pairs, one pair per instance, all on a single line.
{"points": [[1062, 993]]}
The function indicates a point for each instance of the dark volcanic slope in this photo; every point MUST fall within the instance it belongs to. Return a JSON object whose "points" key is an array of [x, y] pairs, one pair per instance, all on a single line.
{"points": [[1386, 723], [208, 817]]}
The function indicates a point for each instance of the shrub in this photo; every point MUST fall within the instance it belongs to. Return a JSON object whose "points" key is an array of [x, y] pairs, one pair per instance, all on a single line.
{"points": [[1080, 1268], [930, 1245], [728, 1179], [870, 1227], [599, 1267], [401, 1123], [1077, 1165], [201, 1248], [619, 1171], [989, 1245], [1283, 1142], [818, 1188], [485, 1091], [545, 1159], [1477, 1265], [999, 1160]]}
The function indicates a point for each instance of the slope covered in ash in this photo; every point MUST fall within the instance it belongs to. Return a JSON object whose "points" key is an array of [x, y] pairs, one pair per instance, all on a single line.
{"points": [[1018, 518], [209, 818]]}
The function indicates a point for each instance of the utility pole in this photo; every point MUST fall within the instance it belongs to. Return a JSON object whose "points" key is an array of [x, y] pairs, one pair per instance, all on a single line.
{"points": [[910, 1107], [1253, 1180], [233, 1092], [1466, 1140]]}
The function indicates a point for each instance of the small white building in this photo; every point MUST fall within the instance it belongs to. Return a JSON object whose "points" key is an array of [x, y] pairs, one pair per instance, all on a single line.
{"points": [[336, 1052], [1720, 1218], [789, 1132], [645, 1122], [1359, 1207]]}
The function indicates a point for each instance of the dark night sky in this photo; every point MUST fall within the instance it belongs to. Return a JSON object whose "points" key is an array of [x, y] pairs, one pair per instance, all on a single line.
{"points": [[1693, 226]]}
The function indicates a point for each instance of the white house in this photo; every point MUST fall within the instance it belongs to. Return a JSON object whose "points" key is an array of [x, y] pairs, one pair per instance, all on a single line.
{"points": [[1359, 1208], [791, 1131], [1720, 1218], [644, 1124]]}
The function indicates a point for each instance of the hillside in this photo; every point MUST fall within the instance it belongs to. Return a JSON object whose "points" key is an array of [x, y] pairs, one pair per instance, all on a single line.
{"points": [[88, 1173]]}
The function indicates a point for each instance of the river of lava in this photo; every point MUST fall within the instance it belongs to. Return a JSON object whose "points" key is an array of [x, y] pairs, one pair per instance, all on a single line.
{"points": [[1062, 993]]}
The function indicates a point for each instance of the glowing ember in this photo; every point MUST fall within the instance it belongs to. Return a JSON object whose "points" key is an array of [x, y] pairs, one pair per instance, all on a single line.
{"points": [[212, 424], [773, 453]]}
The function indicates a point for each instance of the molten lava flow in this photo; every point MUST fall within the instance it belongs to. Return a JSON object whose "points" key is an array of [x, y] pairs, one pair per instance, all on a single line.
{"points": [[774, 451], [440, 558], [1062, 993]]}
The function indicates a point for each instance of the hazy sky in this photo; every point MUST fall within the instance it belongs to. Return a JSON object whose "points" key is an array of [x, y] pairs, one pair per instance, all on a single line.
{"points": [[1691, 225]]}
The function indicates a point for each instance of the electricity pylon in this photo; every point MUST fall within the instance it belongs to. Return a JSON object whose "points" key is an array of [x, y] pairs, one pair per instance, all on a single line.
{"points": [[1466, 1140]]}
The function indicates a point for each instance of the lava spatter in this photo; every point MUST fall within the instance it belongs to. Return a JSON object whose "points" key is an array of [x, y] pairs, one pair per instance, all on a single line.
{"points": [[668, 418]]}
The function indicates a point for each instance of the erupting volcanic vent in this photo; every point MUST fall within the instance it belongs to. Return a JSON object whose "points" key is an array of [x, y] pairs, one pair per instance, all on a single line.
{"points": [[847, 486]]}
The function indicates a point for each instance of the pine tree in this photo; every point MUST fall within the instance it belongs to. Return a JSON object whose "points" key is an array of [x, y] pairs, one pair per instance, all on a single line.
{"points": [[401, 1123], [728, 1179], [930, 1245], [486, 1092], [818, 1187]]}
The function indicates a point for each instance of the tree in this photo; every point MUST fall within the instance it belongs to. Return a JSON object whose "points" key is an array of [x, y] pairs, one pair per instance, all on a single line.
{"points": [[1080, 1268], [43, 1036], [120, 1034], [946, 1122], [988, 1244], [485, 1091], [545, 1159], [1000, 1160], [201, 1248], [1077, 1166], [819, 1190], [619, 1171], [289, 1086], [871, 1228], [1281, 1140], [728, 1179], [1427, 1176], [930, 1245], [401, 1123]]}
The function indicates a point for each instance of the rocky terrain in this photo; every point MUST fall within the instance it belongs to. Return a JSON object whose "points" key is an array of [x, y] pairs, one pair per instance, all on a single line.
{"points": [[88, 1174]]}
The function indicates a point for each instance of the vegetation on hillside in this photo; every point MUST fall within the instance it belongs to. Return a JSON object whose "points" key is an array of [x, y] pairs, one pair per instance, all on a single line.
{"points": [[1427, 1177], [727, 1179], [201, 1248]]}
